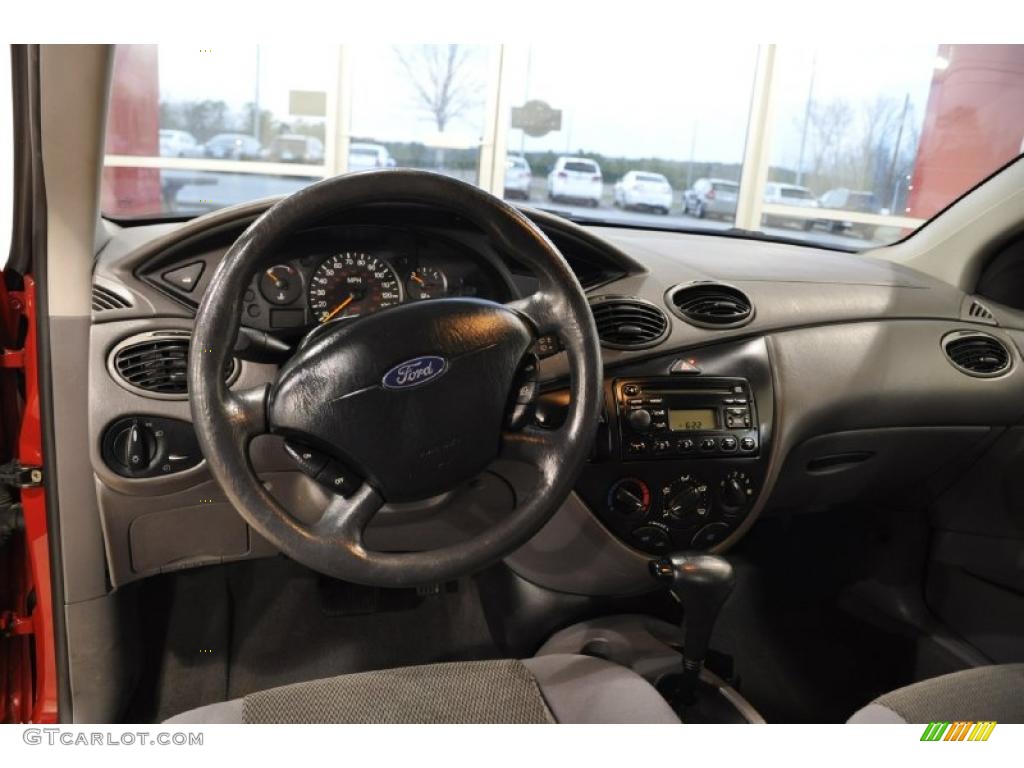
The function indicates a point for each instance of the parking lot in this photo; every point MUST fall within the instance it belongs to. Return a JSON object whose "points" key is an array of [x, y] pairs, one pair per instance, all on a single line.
{"points": [[199, 191]]}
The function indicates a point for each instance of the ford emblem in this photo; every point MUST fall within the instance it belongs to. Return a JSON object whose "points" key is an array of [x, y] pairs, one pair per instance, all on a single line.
{"points": [[414, 372]]}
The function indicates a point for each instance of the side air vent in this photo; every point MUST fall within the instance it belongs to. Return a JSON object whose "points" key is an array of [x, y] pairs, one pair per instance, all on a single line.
{"points": [[155, 364], [624, 322], [103, 300], [711, 305], [979, 313], [977, 354]]}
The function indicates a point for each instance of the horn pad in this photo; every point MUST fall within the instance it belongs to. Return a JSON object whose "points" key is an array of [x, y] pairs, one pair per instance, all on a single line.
{"points": [[413, 398]]}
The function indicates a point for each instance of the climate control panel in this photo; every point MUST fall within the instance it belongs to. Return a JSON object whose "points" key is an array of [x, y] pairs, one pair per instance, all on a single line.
{"points": [[658, 509]]}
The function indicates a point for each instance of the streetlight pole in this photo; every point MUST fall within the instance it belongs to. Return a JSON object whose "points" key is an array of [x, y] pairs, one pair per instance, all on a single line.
{"points": [[807, 120], [256, 101], [896, 155]]}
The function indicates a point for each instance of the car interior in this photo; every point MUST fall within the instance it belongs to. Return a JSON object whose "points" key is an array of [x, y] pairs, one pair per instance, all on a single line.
{"points": [[392, 449]]}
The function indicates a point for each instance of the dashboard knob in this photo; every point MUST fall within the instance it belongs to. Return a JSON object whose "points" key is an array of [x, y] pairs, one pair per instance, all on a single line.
{"points": [[686, 498], [629, 497], [734, 492], [135, 446], [640, 420]]}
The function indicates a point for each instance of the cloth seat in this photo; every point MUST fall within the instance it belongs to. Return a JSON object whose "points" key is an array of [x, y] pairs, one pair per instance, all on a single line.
{"points": [[984, 693], [559, 688]]}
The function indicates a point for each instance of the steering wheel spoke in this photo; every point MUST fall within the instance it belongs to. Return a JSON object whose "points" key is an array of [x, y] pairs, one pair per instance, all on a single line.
{"points": [[345, 519], [531, 445], [247, 411], [542, 309]]}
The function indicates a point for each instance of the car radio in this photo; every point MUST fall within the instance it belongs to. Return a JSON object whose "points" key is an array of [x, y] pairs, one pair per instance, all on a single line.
{"points": [[668, 418]]}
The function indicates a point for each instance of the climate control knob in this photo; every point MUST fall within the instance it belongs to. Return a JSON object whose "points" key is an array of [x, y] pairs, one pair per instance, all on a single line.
{"points": [[629, 497], [686, 500], [735, 492]]}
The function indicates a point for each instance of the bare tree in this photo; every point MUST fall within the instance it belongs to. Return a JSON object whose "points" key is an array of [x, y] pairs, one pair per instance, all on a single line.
{"points": [[878, 124], [828, 125], [442, 79]]}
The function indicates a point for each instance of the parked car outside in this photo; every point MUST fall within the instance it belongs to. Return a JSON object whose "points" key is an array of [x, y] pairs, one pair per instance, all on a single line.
{"points": [[518, 177], [362, 157], [711, 198], [295, 148], [643, 190], [576, 179], [777, 193], [233, 146], [175, 143], [843, 199]]}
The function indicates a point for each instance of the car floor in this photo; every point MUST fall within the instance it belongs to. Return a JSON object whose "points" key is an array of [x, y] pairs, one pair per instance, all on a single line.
{"points": [[798, 654], [219, 633]]}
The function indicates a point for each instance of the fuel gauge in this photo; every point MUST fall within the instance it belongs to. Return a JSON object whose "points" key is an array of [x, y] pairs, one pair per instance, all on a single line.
{"points": [[427, 283], [281, 284]]}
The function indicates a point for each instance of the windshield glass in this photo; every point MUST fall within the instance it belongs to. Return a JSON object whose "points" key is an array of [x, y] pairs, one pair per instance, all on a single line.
{"points": [[854, 151]]}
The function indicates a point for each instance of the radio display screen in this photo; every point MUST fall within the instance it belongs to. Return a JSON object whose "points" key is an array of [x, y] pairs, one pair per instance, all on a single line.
{"points": [[692, 419]]}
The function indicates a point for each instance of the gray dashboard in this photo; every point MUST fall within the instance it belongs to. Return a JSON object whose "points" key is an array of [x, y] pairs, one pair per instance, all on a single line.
{"points": [[857, 391]]}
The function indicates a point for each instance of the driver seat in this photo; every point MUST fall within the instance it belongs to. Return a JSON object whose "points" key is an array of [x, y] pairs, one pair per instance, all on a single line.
{"points": [[557, 688]]}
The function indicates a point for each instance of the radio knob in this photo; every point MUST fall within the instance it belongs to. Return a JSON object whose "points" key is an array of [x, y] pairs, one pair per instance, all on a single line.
{"points": [[639, 420]]}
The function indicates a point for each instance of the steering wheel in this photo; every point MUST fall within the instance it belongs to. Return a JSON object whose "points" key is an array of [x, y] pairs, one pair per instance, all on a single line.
{"points": [[412, 402]]}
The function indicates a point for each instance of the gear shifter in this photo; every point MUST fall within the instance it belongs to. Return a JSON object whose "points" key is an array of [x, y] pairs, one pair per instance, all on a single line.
{"points": [[702, 583]]}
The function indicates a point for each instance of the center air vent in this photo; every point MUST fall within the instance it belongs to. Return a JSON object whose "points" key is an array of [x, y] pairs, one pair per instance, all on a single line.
{"points": [[711, 305], [155, 364], [627, 323], [977, 354]]}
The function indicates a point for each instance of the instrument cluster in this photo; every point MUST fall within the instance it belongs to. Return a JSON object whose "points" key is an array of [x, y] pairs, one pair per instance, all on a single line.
{"points": [[342, 273]]}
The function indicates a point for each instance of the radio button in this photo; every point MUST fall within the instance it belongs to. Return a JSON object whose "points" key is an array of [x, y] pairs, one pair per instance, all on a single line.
{"points": [[636, 447], [748, 443], [729, 443], [662, 446], [707, 444], [686, 445]]}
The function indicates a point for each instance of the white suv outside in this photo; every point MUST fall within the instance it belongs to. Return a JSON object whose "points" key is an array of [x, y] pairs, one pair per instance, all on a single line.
{"points": [[576, 179]]}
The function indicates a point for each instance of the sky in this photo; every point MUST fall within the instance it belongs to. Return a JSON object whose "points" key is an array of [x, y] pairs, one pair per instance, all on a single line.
{"points": [[634, 99]]}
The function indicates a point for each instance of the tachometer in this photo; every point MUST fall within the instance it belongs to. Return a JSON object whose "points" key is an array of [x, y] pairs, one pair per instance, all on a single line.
{"points": [[352, 284]]}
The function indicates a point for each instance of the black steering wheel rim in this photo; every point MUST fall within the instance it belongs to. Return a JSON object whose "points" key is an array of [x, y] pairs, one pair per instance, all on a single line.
{"points": [[226, 421]]}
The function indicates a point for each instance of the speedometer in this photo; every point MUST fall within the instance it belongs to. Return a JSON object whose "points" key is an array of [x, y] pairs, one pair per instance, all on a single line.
{"points": [[352, 284]]}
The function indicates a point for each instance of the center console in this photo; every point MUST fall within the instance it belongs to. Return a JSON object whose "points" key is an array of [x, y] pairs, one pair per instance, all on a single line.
{"points": [[686, 455]]}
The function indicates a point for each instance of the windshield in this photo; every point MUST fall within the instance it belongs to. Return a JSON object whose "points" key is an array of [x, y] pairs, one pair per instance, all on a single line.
{"points": [[880, 143]]}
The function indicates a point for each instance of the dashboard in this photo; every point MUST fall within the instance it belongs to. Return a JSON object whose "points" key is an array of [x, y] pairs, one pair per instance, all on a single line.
{"points": [[341, 273], [838, 380]]}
